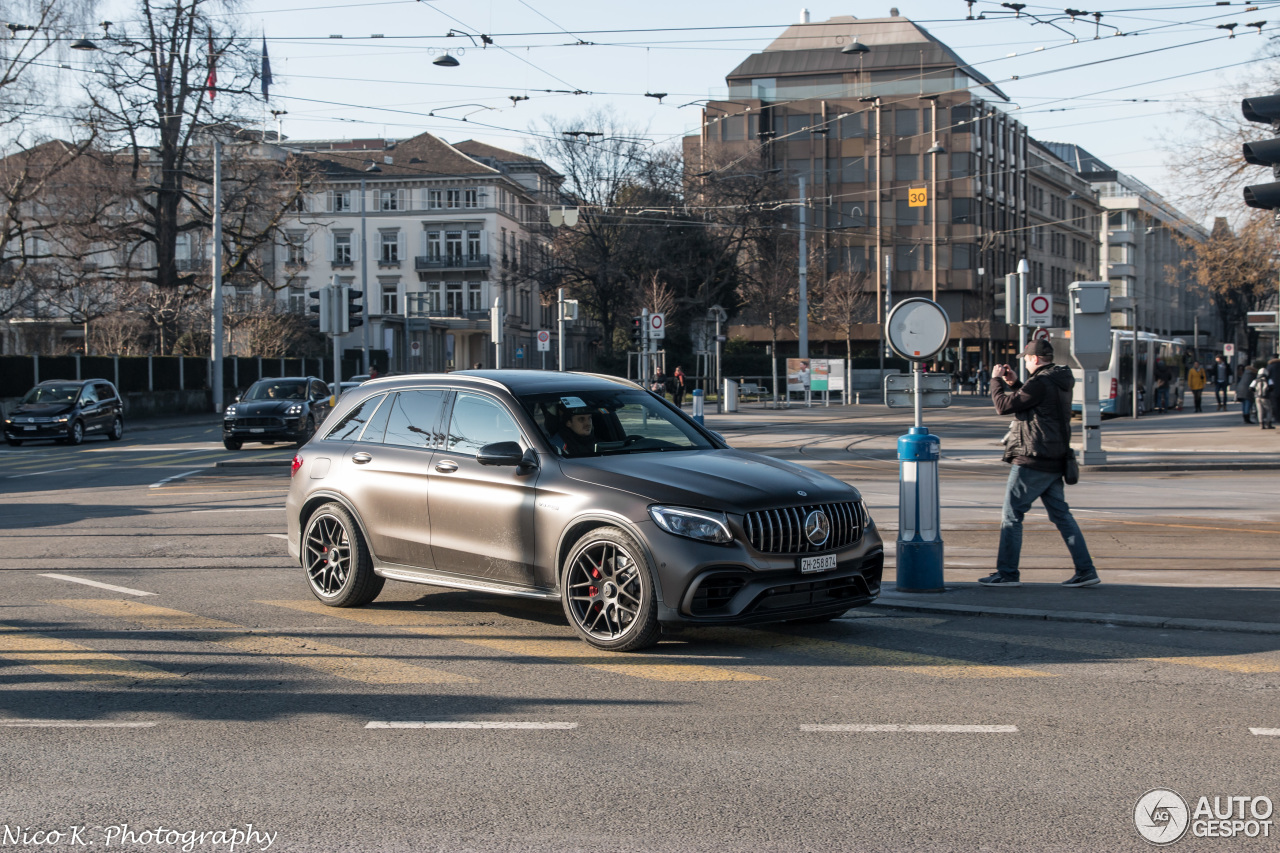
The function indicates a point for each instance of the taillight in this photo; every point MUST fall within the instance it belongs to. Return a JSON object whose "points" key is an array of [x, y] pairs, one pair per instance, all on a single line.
{"points": [[297, 463], [1115, 388]]}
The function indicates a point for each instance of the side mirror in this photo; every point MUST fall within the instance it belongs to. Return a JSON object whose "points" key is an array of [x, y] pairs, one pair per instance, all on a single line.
{"points": [[719, 437], [501, 453], [237, 399]]}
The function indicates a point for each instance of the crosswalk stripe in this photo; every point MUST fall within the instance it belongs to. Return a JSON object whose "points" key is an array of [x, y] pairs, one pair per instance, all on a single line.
{"points": [[871, 656], [1117, 651], [72, 660], [568, 650], [305, 652]]}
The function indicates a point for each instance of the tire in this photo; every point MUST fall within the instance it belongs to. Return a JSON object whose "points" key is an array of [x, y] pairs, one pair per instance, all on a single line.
{"points": [[75, 433], [339, 568], [308, 432], [117, 429], [13, 442], [232, 443], [608, 592]]}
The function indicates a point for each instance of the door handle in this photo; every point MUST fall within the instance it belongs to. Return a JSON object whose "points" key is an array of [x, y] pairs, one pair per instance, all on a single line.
{"points": [[361, 458], [446, 467]]}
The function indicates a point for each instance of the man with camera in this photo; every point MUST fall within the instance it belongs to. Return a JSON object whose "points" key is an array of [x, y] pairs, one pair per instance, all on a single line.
{"points": [[1037, 446]]}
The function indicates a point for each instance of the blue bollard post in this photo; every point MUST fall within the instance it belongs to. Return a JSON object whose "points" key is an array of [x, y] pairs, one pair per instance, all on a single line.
{"points": [[698, 395], [919, 546]]}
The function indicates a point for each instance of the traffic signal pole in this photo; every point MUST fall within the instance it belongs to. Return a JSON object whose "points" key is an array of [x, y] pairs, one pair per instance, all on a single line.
{"points": [[333, 293]]}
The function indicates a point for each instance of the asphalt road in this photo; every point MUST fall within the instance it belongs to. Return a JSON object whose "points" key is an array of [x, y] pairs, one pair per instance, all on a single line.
{"points": [[209, 690]]}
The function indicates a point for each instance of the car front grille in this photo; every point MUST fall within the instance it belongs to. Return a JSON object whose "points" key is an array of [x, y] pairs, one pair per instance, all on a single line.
{"points": [[781, 531], [274, 423]]}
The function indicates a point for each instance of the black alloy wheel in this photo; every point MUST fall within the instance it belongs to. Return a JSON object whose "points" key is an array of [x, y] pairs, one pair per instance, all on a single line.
{"points": [[13, 442], [608, 592], [308, 431], [339, 567], [75, 433], [117, 429], [232, 443]]}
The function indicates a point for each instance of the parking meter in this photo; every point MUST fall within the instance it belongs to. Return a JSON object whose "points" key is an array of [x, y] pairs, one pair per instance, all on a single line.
{"points": [[1091, 348]]}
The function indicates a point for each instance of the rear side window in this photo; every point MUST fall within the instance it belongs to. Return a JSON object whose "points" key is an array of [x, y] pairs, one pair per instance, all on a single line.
{"points": [[348, 428], [477, 421], [105, 391], [414, 419]]}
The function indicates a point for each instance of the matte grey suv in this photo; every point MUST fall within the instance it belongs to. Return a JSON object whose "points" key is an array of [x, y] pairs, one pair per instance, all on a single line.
{"points": [[582, 488]]}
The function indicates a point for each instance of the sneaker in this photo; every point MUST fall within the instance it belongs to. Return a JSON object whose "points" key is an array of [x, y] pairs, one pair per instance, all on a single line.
{"points": [[1078, 579], [1000, 580]]}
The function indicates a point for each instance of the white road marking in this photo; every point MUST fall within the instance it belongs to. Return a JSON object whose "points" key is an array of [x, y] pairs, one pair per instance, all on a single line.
{"points": [[36, 473], [99, 584], [174, 477], [466, 724], [277, 536], [1266, 732], [242, 509], [73, 724], [902, 727]]}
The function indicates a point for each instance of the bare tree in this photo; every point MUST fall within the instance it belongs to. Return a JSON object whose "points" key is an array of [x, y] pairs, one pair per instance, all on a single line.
{"points": [[1236, 269], [769, 290], [38, 35], [263, 327], [842, 301]]}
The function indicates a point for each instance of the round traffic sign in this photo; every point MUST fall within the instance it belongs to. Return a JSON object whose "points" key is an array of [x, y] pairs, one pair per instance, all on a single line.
{"points": [[1038, 304], [544, 336], [918, 328], [656, 321], [415, 347], [1040, 335]]}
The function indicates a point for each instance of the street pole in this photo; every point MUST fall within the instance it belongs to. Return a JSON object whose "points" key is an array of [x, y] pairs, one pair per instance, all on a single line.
{"points": [[933, 194], [1135, 358], [215, 353], [1023, 269], [719, 380], [560, 325], [364, 276], [334, 294], [804, 288], [888, 303]]}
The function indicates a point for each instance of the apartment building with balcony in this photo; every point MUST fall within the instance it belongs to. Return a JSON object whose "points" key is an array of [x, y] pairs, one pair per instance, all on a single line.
{"points": [[433, 233], [1145, 242]]}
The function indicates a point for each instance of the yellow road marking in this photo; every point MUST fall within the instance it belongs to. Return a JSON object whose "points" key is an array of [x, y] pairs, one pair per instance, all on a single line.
{"points": [[1227, 663], [568, 650], [859, 655], [72, 660], [322, 657]]}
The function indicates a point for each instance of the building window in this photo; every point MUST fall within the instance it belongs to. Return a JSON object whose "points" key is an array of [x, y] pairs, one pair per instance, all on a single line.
{"points": [[342, 247], [433, 246], [472, 198], [453, 246], [961, 164], [473, 245], [962, 256], [1115, 219], [852, 127], [341, 201], [295, 248], [388, 200], [390, 299], [857, 214], [906, 214], [298, 297], [905, 122], [389, 242], [474, 294], [453, 199], [434, 199], [453, 298], [905, 257], [963, 211], [906, 167]]}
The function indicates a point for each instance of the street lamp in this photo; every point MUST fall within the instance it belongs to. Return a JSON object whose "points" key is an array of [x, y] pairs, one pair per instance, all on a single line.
{"points": [[933, 189]]}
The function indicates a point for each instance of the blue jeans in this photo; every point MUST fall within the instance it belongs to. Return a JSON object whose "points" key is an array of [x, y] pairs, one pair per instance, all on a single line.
{"points": [[1162, 397], [1025, 485]]}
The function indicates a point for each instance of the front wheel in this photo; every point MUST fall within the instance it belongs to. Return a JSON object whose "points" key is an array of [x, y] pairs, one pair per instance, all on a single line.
{"points": [[608, 592], [117, 429], [232, 444], [13, 442], [339, 567], [75, 433], [308, 431]]}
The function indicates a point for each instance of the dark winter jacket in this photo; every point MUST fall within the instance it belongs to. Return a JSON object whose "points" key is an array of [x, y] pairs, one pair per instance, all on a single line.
{"points": [[1040, 435]]}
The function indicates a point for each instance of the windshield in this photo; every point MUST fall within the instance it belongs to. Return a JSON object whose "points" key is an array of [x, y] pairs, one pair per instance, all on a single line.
{"points": [[44, 395], [277, 389], [610, 422]]}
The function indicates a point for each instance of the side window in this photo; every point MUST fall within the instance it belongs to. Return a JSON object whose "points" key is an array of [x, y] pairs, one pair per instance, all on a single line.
{"points": [[348, 429], [319, 389], [87, 397], [413, 419], [478, 421], [105, 392]]}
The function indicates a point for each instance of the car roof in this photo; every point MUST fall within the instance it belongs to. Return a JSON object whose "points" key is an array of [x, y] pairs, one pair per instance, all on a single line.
{"points": [[70, 381], [515, 381], [284, 379]]}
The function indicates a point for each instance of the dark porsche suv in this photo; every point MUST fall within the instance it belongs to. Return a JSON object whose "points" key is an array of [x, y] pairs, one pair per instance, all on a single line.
{"points": [[287, 409], [584, 489], [66, 411]]}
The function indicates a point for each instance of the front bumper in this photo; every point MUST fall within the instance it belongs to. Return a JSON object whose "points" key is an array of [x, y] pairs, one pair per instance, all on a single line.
{"points": [[265, 429], [25, 431]]}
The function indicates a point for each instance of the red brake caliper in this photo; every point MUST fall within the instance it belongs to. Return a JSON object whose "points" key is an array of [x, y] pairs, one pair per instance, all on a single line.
{"points": [[593, 590]]}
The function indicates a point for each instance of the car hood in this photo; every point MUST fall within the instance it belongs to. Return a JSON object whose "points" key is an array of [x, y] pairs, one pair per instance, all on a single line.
{"points": [[266, 407], [41, 410], [729, 480]]}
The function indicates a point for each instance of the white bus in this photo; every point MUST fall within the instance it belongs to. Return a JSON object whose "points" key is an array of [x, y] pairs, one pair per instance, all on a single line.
{"points": [[1115, 382]]}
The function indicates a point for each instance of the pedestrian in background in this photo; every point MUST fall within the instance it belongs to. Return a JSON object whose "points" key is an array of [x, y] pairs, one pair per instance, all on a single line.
{"points": [[1037, 446], [1195, 383], [678, 391], [1221, 381], [1266, 413], [1244, 391], [1272, 393], [1163, 376]]}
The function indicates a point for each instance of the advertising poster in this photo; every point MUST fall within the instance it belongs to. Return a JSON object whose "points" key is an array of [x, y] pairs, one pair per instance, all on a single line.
{"points": [[835, 374], [797, 374], [818, 374]]}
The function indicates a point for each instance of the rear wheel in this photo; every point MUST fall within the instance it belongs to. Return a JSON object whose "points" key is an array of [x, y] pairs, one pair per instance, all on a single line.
{"points": [[117, 429], [608, 592], [232, 443], [339, 567]]}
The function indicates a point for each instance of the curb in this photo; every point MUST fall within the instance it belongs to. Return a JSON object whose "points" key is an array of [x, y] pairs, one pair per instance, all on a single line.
{"points": [[1123, 619], [254, 463]]}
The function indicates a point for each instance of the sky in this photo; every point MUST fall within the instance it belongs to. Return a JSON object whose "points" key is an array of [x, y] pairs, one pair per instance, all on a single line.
{"points": [[1116, 95]]}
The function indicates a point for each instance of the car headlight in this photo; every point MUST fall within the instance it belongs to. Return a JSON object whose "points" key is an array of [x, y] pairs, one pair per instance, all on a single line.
{"points": [[229, 411], [295, 409], [62, 419], [692, 523]]}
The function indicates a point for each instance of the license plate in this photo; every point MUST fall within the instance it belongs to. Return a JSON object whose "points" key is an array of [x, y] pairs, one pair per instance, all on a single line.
{"points": [[818, 564], [257, 429], [29, 427]]}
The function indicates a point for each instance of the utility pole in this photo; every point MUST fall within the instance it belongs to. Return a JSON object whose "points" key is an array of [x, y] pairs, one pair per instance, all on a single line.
{"points": [[1023, 269], [334, 296], [364, 276], [560, 321], [804, 286], [216, 295]]}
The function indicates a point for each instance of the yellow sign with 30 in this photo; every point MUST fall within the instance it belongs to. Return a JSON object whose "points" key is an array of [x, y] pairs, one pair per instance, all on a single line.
{"points": [[918, 197]]}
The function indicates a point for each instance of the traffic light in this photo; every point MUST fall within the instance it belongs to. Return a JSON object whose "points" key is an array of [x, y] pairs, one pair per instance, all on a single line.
{"points": [[351, 309], [637, 333], [323, 322], [1264, 109], [1008, 306]]}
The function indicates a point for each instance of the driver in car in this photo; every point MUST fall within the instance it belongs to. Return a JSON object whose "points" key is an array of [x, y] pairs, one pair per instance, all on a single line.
{"points": [[576, 435]]}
